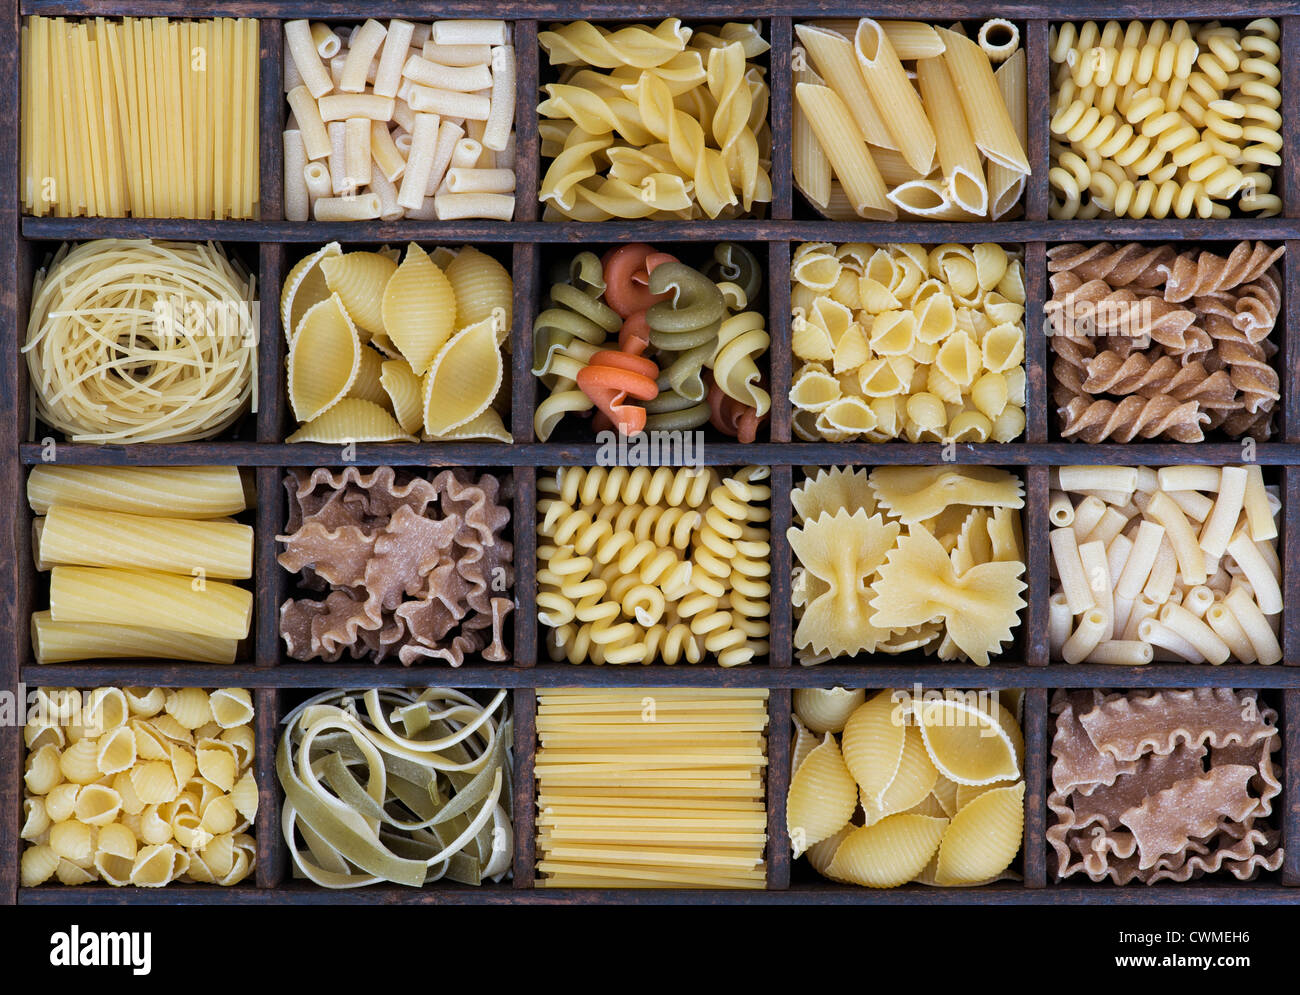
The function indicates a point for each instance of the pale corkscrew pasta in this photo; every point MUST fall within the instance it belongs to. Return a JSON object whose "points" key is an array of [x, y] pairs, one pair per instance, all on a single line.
{"points": [[1151, 343], [651, 788], [382, 351], [677, 127], [928, 790], [139, 786], [644, 566], [1159, 120], [901, 341], [907, 558], [387, 122], [1175, 565], [900, 119]]}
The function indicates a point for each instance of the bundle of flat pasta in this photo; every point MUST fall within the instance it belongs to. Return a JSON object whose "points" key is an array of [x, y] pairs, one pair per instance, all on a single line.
{"points": [[689, 341], [142, 341], [1175, 564], [889, 787], [1153, 343], [399, 121], [398, 565], [907, 558], [676, 128], [139, 786], [380, 351], [1153, 120], [942, 137], [1163, 785], [398, 785], [143, 117], [898, 341], [150, 544], [649, 566], [651, 788]]}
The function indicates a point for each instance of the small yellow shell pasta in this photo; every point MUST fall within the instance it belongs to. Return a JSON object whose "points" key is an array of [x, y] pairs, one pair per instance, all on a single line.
{"points": [[405, 393], [913, 782], [822, 796], [352, 420], [189, 707], [38, 865], [482, 286], [803, 743], [873, 744], [463, 380], [97, 805], [72, 840], [487, 425], [324, 359], [419, 309], [79, 762], [304, 288], [827, 709], [244, 795], [822, 855], [984, 837], [154, 866], [154, 782], [231, 707], [359, 279], [367, 385], [966, 743], [216, 762], [889, 853]]}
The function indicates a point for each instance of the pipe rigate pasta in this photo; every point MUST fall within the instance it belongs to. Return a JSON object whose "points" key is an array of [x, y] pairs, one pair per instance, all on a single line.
{"points": [[910, 821], [166, 795]]}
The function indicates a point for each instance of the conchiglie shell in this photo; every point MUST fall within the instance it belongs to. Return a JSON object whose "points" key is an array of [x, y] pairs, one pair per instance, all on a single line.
{"points": [[873, 744], [131, 803], [244, 796], [72, 840], [219, 854], [183, 764], [463, 379], [79, 762], [967, 793], [822, 796], [405, 393], [189, 707], [242, 738], [231, 707], [487, 426], [43, 772], [913, 783], [150, 744], [419, 308], [98, 805], [145, 702], [107, 709], [118, 840], [890, 853], [35, 819], [984, 837], [72, 874], [367, 385], [803, 743], [359, 279], [217, 764], [171, 727], [61, 801], [827, 709], [481, 285], [154, 829], [352, 420], [929, 805], [154, 782], [38, 865], [219, 816], [199, 871], [968, 744], [116, 751], [188, 832], [304, 287], [324, 359], [114, 869], [822, 854], [153, 866]]}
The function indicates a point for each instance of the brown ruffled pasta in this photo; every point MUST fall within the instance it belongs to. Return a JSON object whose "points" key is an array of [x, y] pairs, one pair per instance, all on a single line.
{"points": [[1149, 343], [409, 567], [1163, 785]]}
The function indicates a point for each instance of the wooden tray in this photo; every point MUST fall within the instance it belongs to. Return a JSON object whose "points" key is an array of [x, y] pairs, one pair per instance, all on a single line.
{"points": [[271, 245]]}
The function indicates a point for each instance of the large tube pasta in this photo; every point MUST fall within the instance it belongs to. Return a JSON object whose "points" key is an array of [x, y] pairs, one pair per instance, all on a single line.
{"points": [[110, 539], [64, 642], [173, 492], [154, 600]]}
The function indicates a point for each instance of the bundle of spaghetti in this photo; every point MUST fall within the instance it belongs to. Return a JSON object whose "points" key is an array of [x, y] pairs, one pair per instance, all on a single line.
{"points": [[142, 341], [1152, 343], [676, 129], [647, 566], [1151, 120], [1177, 564], [651, 788], [398, 784], [144, 544], [140, 117], [139, 786], [679, 328]]}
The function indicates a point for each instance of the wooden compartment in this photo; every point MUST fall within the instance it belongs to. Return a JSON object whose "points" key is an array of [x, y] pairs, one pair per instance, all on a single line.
{"points": [[271, 245]]}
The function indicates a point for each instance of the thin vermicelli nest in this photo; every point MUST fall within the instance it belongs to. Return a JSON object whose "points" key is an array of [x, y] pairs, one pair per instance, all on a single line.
{"points": [[132, 340]]}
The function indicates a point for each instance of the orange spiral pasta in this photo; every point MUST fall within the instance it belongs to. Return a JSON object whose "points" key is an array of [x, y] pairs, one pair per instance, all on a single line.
{"points": [[610, 377]]}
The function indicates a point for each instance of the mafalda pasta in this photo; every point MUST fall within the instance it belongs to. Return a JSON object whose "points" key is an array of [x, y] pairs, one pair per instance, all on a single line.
{"points": [[1164, 785], [654, 565], [388, 347], [887, 787], [900, 119], [417, 787], [639, 340], [904, 558], [401, 120], [1177, 564], [142, 562], [1156, 120], [900, 341], [666, 122], [139, 786]]}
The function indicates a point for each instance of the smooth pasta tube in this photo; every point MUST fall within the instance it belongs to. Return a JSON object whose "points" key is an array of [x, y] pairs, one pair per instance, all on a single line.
{"points": [[196, 492], [64, 642], [109, 539], [153, 600]]}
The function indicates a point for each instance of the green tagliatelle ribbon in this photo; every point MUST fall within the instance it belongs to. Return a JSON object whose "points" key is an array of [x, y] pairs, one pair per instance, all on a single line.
{"points": [[366, 803]]}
